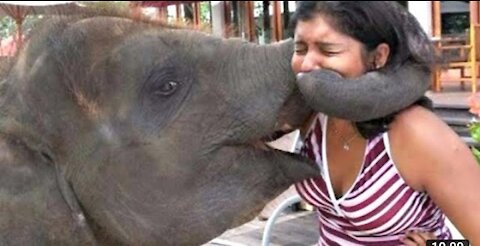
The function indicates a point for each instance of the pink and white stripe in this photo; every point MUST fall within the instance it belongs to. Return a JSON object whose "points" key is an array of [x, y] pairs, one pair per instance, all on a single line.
{"points": [[378, 209]]}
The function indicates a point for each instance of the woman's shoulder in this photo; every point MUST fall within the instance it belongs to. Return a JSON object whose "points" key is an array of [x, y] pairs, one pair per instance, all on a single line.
{"points": [[418, 120], [419, 139], [417, 129]]}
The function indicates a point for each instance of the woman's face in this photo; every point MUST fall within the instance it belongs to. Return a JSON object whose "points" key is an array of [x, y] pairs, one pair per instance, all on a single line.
{"points": [[318, 45]]}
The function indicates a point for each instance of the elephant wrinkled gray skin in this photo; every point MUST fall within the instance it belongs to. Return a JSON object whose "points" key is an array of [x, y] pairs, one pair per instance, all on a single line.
{"points": [[117, 132]]}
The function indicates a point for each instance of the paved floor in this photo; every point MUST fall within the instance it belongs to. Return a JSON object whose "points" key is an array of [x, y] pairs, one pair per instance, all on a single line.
{"points": [[451, 95], [290, 229], [452, 92]]}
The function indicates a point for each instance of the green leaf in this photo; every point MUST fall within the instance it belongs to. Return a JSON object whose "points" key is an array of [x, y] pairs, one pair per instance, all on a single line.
{"points": [[476, 153], [474, 129]]}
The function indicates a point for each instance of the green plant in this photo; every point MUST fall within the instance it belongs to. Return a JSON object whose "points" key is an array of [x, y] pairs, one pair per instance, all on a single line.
{"points": [[8, 26], [474, 125], [474, 128]]}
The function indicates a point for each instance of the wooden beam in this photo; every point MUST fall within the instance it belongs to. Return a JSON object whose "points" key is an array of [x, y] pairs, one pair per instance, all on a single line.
{"points": [[178, 12], [162, 14], [436, 32], [196, 14], [227, 12], [249, 21], [277, 27], [436, 19], [474, 18], [135, 10]]}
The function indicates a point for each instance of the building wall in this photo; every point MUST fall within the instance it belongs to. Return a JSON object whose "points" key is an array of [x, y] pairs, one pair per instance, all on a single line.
{"points": [[422, 10]]}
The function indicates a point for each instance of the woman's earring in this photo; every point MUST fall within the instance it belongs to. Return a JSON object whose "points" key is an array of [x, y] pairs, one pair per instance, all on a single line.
{"points": [[377, 66]]}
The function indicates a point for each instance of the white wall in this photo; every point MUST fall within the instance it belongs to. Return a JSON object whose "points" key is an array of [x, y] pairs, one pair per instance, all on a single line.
{"points": [[422, 10], [218, 18]]}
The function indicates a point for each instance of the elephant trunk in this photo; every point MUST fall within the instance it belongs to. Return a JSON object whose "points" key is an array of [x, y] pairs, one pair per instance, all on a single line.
{"points": [[262, 81], [269, 67], [277, 75]]}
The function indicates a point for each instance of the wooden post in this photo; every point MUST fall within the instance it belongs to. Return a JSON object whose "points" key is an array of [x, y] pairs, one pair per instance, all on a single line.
{"points": [[277, 27], [196, 14], [436, 32], [178, 12], [162, 14], [19, 34], [473, 57], [227, 11], [135, 10], [474, 20], [249, 21], [474, 9], [436, 19]]}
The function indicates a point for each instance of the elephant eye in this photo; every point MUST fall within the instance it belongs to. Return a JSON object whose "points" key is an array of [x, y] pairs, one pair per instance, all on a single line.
{"points": [[166, 89]]}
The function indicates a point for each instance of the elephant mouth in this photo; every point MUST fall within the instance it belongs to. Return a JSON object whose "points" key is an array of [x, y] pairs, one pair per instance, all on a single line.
{"points": [[264, 142], [259, 144], [274, 135], [280, 130]]}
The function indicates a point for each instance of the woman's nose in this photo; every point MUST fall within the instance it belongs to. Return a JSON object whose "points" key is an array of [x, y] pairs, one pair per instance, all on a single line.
{"points": [[310, 62]]}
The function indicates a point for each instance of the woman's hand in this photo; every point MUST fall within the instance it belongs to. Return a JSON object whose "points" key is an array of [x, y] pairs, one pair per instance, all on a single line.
{"points": [[417, 238]]}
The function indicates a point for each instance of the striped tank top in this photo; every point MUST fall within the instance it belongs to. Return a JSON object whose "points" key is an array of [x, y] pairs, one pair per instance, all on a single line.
{"points": [[378, 209]]}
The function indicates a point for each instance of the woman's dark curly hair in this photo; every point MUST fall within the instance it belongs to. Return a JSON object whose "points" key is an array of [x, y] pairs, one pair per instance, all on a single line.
{"points": [[372, 23]]}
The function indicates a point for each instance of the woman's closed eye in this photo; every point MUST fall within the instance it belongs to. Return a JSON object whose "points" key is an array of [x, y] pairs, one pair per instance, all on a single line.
{"points": [[330, 52], [330, 49], [300, 49]]}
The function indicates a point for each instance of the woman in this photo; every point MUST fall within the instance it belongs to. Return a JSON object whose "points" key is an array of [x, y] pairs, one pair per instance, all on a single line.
{"points": [[383, 179]]}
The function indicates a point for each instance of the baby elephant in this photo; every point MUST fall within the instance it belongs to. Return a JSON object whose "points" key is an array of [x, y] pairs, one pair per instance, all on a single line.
{"points": [[122, 132]]}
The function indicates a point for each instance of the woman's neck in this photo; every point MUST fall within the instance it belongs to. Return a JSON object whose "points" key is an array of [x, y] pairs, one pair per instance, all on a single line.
{"points": [[342, 126]]}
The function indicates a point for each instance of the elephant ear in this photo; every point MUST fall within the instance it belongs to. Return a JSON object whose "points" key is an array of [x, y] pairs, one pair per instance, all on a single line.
{"points": [[32, 206], [373, 95]]}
